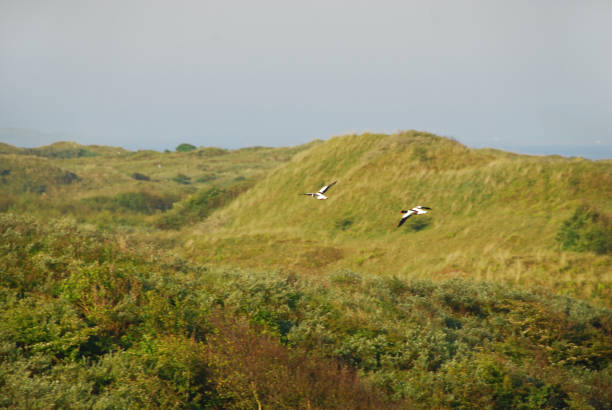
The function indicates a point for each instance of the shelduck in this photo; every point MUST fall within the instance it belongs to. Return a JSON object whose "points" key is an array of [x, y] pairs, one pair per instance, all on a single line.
{"points": [[319, 194], [419, 210]]}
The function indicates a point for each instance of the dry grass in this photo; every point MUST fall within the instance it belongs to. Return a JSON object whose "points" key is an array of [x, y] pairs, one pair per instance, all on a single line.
{"points": [[495, 215]]}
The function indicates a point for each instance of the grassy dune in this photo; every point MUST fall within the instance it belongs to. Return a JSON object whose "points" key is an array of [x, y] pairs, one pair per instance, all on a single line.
{"points": [[495, 215], [113, 186]]}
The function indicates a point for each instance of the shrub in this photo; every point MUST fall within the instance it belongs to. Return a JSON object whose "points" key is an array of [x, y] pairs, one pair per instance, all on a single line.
{"points": [[201, 204], [139, 202], [185, 147], [207, 177], [140, 177], [182, 179], [586, 230], [343, 224]]}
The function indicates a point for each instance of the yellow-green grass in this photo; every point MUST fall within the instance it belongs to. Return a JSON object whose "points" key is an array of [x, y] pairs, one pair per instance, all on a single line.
{"points": [[495, 215], [203, 167], [106, 173]]}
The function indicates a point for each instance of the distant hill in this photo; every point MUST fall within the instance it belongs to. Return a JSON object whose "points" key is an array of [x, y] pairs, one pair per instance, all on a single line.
{"points": [[62, 150], [117, 186], [496, 215]]}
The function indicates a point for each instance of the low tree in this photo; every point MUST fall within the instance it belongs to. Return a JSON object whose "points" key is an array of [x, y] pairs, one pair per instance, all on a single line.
{"points": [[185, 147]]}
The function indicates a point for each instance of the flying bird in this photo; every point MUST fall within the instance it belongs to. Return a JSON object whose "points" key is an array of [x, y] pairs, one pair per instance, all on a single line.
{"points": [[419, 210], [319, 194]]}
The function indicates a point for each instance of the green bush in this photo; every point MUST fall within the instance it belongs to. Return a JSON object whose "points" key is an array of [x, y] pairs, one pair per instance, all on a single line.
{"points": [[200, 205], [586, 230], [182, 179], [140, 177], [343, 224], [185, 147], [137, 202], [124, 330]]}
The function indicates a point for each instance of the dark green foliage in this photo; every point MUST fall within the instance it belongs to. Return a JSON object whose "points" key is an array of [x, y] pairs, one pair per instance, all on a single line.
{"points": [[182, 179], [141, 202], [185, 147], [84, 324], [343, 224], [68, 177], [201, 204], [138, 202], [207, 177], [64, 154], [140, 177], [586, 230]]}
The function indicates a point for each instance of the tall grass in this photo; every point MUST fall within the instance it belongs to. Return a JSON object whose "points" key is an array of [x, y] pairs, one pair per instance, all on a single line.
{"points": [[495, 211]]}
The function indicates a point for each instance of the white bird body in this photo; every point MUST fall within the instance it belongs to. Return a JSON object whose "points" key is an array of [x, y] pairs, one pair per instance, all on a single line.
{"points": [[419, 210], [320, 192]]}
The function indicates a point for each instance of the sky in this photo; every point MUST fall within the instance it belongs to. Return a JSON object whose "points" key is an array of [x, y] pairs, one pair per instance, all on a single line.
{"points": [[151, 74]]}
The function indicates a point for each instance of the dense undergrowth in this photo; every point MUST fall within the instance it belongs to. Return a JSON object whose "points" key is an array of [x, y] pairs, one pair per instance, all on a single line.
{"points": [[88, 322]]}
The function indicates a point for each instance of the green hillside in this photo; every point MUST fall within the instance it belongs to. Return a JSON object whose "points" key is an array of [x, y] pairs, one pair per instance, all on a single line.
{"points": [[119, 187], [496, 215], [203, 278]]}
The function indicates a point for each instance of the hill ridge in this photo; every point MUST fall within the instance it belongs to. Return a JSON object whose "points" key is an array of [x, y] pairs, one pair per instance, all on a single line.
{"points": [[506, 208]]}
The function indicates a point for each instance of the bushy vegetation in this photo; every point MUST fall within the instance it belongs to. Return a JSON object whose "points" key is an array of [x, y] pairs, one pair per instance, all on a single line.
{"points": [[140, 202], [182, 179], [185, 147], [586, 230], [201, 204], [140, 177], [88, 321]]}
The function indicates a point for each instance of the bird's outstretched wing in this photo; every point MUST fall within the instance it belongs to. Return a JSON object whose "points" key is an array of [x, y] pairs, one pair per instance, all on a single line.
{"points": [[407, 215], [326, 187]]}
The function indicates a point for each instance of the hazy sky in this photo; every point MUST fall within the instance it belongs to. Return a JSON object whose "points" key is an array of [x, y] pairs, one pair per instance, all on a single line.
{"points": [[233, 73]]}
